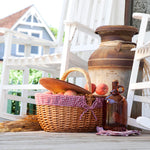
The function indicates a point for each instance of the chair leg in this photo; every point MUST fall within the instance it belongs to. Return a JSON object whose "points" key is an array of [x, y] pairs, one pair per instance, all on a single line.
{"points": [[143, 121]]}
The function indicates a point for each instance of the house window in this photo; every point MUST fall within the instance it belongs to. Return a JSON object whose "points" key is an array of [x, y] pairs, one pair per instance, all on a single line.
{"points": [[32, 18], [21, 47], [35, 19], [35, 50], [29, 19]]}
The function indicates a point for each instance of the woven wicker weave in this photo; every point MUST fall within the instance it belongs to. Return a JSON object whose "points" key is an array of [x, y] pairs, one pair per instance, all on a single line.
{"points": [[54, 118]]}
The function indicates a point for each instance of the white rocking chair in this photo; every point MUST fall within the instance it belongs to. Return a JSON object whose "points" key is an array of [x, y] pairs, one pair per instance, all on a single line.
{"points": [[142, 51], [82, 18]]}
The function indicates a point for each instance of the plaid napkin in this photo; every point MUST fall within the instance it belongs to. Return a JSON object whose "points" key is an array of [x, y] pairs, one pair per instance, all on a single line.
{"points": [[101, 131]]}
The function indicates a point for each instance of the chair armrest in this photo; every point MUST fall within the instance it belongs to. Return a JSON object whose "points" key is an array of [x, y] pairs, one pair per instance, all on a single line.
{"points": [[83, 28], [140, 15]]}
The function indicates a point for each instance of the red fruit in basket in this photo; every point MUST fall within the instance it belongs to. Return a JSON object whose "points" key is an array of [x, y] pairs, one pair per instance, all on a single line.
{"points": [[102, 89], [93, 87], [61, 93], [48, 92], [70, 92]]}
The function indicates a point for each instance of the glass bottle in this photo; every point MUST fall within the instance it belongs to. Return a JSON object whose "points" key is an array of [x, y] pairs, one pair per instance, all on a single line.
{"points": [[116, 109]]}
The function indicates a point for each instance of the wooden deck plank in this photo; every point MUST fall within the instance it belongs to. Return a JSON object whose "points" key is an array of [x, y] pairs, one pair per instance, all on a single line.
{"points": [[71, 141], [3, 119]]}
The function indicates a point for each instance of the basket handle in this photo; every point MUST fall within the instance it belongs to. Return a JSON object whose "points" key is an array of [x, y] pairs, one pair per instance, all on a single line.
{"points": [[85, 73]]}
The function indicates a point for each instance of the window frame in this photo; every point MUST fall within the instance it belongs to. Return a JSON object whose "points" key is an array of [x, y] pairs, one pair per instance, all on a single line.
{"points": [[29, 32]]}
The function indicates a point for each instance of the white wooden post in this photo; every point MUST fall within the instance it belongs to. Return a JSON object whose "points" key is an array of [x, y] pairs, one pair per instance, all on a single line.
{"points": [[61, 23], [23, 108], [69, 34], [5, 72], [27, 51], [45, 51]]}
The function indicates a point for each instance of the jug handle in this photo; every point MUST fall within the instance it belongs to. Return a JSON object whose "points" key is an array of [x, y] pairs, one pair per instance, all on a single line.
{"points": [[118, 47], [120, 87]]}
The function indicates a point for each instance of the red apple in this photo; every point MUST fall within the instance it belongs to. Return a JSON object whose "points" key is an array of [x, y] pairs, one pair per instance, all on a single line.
{"points": [[93, 87], [61, 93], [70, 92], [101, 89]]}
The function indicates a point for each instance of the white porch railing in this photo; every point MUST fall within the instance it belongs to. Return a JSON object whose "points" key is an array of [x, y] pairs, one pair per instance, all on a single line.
{"points": [[10, 62], [47, 63]]}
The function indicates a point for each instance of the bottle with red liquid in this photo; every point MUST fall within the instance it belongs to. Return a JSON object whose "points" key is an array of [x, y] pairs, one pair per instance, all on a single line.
{"points": [[116, 109]]}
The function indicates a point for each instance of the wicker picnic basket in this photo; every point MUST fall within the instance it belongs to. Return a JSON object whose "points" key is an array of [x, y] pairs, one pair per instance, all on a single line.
{"points": [[63, 113]]}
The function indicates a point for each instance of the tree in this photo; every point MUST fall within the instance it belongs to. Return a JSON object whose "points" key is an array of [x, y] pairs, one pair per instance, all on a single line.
{"points": [[54, 31]]}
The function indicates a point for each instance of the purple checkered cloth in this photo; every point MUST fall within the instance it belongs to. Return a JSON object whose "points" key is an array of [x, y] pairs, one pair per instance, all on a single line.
{"points": [[70, 101], [101, 131]]}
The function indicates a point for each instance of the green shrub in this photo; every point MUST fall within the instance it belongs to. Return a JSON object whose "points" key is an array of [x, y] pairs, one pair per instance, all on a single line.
{"points": [[16, 76]]}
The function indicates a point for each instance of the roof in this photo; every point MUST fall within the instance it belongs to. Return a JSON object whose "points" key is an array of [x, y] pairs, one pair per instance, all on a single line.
{"points": [[12, 21], [9, 21]]}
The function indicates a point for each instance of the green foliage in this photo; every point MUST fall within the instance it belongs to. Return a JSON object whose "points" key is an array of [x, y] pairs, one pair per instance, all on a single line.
{"points": [[16, 76], [54, 31], [34, 76]]}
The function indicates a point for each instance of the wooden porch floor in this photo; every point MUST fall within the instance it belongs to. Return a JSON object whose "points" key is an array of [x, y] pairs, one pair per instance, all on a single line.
{"points": [[71, 141]]}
